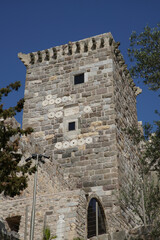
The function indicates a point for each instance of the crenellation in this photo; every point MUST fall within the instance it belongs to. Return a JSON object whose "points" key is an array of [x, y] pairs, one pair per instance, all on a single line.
{"points": [[32, 58], [72, 48], [54, 53]]}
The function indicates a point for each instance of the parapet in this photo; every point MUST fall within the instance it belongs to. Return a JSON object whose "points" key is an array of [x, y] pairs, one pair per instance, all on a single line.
{"points": [[72, 48]]}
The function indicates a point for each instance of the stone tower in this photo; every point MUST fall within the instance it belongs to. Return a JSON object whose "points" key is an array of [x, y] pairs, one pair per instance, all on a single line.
{"points": [[78, 98]]}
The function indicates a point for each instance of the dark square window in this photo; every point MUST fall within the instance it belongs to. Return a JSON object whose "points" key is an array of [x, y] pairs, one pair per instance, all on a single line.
{"points": [[71, 126], [78, 79]]}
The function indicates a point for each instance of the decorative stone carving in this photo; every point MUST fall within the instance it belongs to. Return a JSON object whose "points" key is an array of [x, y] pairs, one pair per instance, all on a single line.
{"points": [[59, 114], [51, 115], [73, 143], [66, 144], [65, 99], [87, 109], [81, 142], [70, 98], [48, 97], [58, 100], [58, 145], [51, 101], [88, 140], [44, 103]]}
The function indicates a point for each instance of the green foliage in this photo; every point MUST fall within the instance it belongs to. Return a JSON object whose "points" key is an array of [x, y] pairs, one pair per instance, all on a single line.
{"points": [[13, 176], [10, 112], [148, 143], [146, 190], [143, 194], [151, 153], [144, 52], [47, 234]]}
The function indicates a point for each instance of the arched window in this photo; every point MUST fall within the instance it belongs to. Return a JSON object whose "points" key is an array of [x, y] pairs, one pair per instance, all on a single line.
{"points": [[95, 219]]}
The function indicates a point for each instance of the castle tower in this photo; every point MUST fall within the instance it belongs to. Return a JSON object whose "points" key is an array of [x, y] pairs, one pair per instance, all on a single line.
{"points": [[78, 98]]}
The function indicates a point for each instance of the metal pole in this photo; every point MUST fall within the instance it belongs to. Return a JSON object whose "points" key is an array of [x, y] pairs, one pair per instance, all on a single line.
{"points": [[143, 204], [143, 207], [34, 202], [96, 219], [26, 221]]}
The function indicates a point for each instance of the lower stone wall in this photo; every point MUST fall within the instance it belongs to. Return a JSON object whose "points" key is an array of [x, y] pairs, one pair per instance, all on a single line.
{"points": [[63, 213], [140, 233]]}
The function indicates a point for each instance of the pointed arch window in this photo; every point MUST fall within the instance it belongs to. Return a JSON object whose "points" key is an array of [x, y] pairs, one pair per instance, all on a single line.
{"points": [[95, 219]]}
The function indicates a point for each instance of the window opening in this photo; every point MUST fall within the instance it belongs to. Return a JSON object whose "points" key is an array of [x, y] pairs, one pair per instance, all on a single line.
{"points": [[14, 223], [78, 79], [71, 126], [95, 219]]}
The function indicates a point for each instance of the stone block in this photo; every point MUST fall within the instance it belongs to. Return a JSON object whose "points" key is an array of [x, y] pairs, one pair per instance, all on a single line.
{"points": [[118, 235]]}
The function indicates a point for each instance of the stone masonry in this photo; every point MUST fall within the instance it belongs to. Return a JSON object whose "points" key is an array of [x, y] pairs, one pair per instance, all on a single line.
{"points": [[96, 158]]}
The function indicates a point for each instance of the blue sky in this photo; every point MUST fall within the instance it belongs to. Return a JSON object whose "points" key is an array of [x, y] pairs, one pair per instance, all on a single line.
{"points": [[33, 25]]}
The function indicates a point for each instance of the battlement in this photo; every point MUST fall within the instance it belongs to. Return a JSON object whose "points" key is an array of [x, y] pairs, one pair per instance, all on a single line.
{"points": [[72, 48]]}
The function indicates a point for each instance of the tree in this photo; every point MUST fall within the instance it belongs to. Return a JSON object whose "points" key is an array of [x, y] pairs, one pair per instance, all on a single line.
{"points": [[143, 196], [13, 174], [144, 52]]}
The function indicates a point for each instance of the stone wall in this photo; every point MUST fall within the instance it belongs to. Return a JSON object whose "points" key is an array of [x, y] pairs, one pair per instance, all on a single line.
{"points": [[63, 213], [125, 93]]}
